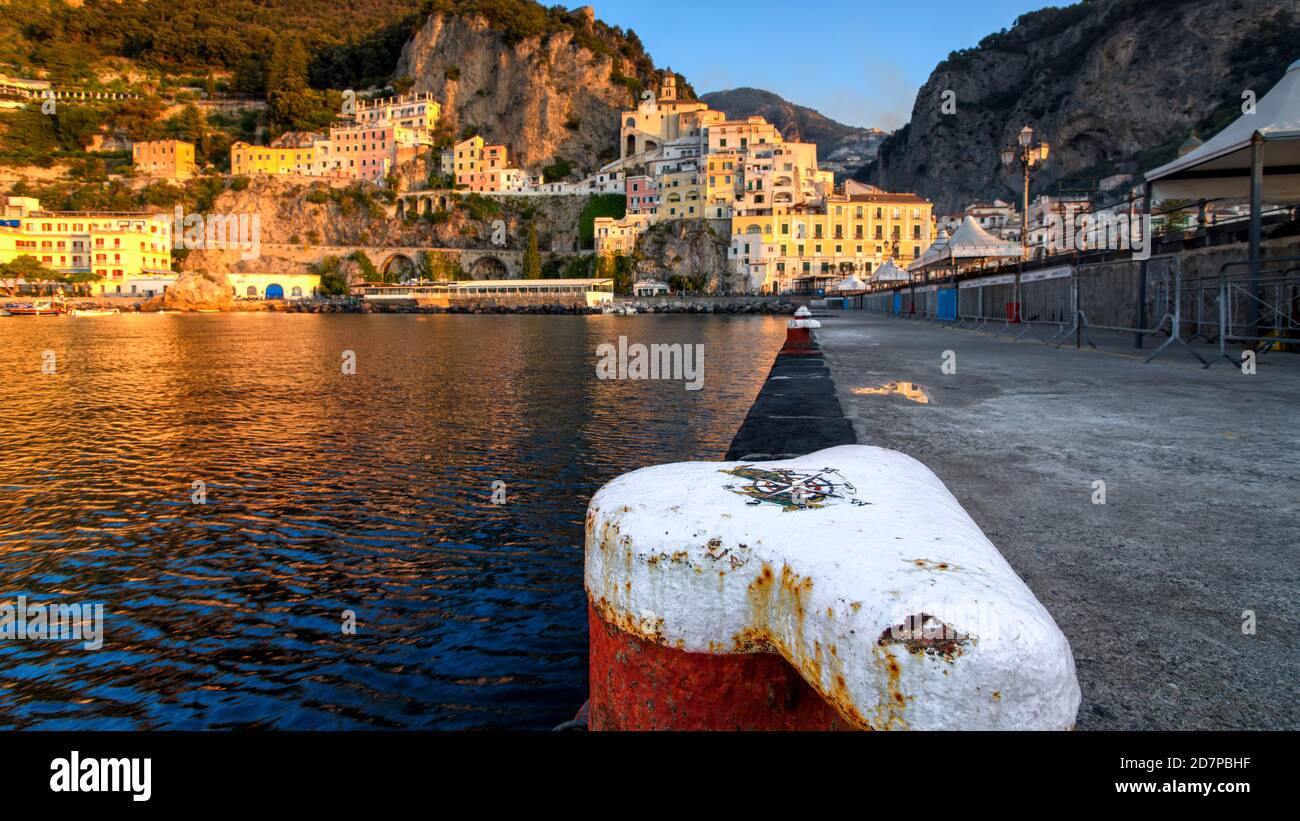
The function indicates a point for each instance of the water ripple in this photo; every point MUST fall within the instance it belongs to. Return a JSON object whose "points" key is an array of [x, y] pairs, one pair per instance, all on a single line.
{"points": [[325, 493]]}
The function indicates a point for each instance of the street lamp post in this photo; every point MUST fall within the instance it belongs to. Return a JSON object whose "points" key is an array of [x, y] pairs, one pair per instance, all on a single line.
{"points": [[1027, 156]]}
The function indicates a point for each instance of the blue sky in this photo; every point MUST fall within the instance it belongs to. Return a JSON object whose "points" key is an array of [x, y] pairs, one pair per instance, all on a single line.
{"points": [[857, 61]]}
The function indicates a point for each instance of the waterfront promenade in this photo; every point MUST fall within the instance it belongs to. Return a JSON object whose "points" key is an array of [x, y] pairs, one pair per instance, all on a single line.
{"points": [[1200, 521]]}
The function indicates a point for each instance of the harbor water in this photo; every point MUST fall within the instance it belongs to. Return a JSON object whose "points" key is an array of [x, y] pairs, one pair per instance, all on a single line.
{"points": [[229, 494]]}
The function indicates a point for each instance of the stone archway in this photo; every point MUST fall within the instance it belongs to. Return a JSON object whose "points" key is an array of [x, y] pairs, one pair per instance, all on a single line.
{"points": [[398, 267], [489, 267]]}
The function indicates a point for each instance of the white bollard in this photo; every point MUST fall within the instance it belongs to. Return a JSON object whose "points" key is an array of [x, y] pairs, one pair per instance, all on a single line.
{"points": [[854, 564]]}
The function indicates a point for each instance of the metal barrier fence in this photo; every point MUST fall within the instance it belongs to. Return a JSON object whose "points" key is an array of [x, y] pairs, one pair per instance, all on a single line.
{"points": [[1053, 305], [1263, 313]]}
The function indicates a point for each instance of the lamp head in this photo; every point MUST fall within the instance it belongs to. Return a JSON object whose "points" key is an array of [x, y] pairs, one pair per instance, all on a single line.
{"points": [[1026, 136]]}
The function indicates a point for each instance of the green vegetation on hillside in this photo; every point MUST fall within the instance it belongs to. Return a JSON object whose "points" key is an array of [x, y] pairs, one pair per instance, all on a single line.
{"points": [[352, 44], [601, 205]]}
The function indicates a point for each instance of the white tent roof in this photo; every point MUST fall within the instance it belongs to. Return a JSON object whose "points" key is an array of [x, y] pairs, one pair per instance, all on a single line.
{"points": [[1220, 167], [889, 272], [969, 241], [852, 283]]}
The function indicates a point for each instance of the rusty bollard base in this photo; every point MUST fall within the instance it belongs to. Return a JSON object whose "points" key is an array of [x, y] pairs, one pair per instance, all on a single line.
{"points": [[852, 569]]}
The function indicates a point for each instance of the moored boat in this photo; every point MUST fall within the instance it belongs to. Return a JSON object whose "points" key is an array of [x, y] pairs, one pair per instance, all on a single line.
{"points": [[41, 307], [93, 311]]}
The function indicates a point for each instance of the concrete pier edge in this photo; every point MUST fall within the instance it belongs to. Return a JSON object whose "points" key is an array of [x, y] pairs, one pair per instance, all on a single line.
{"points": [[797, 411]]}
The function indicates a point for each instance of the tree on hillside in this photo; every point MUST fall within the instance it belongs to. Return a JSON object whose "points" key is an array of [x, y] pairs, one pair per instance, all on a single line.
{"points": [[624, 274], [290, 100], [532, 257], [333, 282]]}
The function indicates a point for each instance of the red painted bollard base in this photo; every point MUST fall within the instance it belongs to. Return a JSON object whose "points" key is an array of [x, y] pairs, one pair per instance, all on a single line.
{"points": [[798, 342], [639, 685]]}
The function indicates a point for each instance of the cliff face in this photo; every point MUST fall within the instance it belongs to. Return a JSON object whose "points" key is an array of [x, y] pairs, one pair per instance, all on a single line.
{"points": [[1113, 85], [837, 143], [688, 248], [543, 97], [296, 214]]}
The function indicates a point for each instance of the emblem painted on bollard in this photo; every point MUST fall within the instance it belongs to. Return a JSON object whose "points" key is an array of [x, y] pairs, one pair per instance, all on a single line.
{"points": [[793, 489]]}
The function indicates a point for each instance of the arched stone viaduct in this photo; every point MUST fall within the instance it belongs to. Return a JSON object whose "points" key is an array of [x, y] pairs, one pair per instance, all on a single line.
{"points": [[480, 263]]}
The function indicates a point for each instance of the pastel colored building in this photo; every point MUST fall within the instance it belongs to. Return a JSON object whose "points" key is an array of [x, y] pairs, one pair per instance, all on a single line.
{"points": [[740, 135], [803, 248], [779, 175], [116, 247], [246, 158], [469, 154], [661, 119], [642, 194], [680, 195], [365, 152], [721, 180], [485, 168], [168, 159], [619, 236], [418, 113], [274, 286]]}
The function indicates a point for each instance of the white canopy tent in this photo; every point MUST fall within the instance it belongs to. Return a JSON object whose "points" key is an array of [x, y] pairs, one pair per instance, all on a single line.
{"points": [[889, 272], [1221, 166], [851, 283], [970, 242], [1256, 156]]}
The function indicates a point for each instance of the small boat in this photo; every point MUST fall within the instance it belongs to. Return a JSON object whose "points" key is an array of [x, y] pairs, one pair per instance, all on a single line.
{"points": [[41, 307], [93, 312]]}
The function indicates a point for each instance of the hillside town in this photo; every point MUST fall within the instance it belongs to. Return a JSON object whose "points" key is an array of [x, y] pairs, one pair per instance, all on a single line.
{"points": [[791, 227], [787, 225]]}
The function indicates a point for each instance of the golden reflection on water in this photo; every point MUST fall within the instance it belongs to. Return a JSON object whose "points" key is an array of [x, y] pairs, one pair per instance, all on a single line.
{"points": [[907, 390], [327, 492]]}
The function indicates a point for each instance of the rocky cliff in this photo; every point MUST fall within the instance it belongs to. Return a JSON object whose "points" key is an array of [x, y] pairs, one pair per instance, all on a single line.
{"points": [[555, 95], [688, 248], [294, 213], [1114, 86]]}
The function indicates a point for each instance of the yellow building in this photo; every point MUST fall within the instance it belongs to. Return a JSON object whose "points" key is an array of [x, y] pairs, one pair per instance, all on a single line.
{"points": [[274, 286], [781, 175], [680, 194], [469, 157], [246, 158], [720, 181], [115, 247], [619, 236], [484, 168], [806, 248], [169, 159], [418, 112], [740, 135]]}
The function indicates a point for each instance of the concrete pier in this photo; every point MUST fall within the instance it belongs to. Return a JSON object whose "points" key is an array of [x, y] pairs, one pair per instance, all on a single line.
{"points": [[1155, 588], [784, 591]]}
